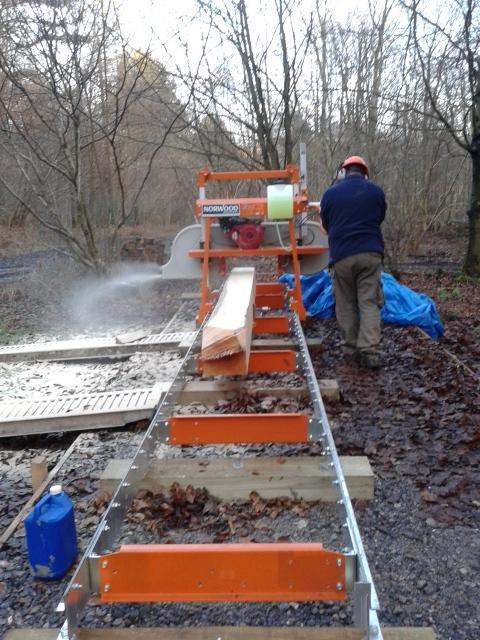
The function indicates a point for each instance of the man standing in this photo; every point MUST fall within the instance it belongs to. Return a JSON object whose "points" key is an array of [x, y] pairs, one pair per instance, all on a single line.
{"points": [[352, 211]]}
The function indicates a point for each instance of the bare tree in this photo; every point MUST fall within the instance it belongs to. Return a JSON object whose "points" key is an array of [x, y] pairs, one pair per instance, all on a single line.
{"points": [[452, 40], [251, 91], [96, 136], [70, 88]]}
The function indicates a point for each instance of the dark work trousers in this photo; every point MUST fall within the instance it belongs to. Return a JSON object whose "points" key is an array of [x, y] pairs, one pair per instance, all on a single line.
{"points": [[358, 300]]}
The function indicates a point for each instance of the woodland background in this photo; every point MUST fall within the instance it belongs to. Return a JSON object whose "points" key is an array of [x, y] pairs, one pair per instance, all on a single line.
{"points": [[99, 137]]}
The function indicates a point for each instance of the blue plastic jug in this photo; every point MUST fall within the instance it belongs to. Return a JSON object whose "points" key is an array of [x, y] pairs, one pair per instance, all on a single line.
{"points": [[50, 535]]}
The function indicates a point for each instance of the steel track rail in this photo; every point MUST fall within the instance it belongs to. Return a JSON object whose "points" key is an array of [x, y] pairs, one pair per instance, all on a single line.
{"points": [[365, 600], [365, 596], [79, 590]]}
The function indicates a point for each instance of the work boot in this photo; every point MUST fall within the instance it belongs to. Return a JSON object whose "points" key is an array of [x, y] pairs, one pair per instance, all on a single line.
{"points": [[370, 360], [350, 355]]}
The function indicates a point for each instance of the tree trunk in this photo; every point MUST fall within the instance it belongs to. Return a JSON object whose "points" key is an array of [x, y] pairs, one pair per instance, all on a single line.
{"points": [[472, 260], [18, 217]]}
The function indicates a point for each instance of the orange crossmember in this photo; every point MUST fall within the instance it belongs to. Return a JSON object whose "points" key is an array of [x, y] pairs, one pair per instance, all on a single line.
{"points": [[265, 251], [269, 288], [222, 572], [243, 428], [261, 361], [272, 361], [204, 175], [270, 324], [270, 300]]}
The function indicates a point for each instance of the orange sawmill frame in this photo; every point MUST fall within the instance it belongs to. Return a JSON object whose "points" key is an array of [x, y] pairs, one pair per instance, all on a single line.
{"points": [[252, 207], [242, 572]]}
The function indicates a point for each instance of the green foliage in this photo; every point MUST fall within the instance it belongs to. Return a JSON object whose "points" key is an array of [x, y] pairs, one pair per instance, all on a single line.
{"points": [[461, 276], [10, 337], [449, 293]]}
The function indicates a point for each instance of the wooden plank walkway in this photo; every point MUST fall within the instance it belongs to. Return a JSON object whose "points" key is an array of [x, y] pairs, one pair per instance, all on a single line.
{"points": [[97, 347], [79, 412]]}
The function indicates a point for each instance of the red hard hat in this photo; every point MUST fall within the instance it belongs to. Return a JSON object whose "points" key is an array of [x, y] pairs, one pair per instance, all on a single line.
{"points": [[356, 160]]}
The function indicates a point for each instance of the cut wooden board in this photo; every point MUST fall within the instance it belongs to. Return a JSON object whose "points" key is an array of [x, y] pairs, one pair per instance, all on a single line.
{"points": [[264, 344], [190, 295], [227, 336], [132, 336], [38, 471], [313, 344], [93, 347], [226, 633], [210, 391], [304, 477]]}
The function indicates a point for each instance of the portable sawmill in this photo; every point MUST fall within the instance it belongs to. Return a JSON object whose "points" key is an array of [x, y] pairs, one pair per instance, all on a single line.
{"points": [[278, 226]]}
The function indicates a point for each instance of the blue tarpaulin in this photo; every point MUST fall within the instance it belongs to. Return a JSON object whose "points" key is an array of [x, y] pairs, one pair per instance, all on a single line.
{"points": [[402, 305]]}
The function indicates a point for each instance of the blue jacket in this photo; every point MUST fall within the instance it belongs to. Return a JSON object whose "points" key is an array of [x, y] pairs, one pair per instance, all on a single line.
{"points": [[352, 211]]}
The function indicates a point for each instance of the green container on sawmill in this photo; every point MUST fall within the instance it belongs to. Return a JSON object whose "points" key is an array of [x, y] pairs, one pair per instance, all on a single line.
{"points": [[280, 201]]}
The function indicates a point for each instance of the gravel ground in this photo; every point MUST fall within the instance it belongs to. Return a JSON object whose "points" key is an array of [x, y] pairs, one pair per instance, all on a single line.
{"points": [[35, 381], [420, 534]]}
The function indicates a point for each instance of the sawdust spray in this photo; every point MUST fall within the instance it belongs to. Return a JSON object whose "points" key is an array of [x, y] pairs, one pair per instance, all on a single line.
{"points": [[107, 302]]}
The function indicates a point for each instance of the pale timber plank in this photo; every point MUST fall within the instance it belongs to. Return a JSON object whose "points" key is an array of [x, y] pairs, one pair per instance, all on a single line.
{"points": [[93, 347], [132, 336], [304, 477], [38, 471], [227, 633], [314, 344], [209, 391]]}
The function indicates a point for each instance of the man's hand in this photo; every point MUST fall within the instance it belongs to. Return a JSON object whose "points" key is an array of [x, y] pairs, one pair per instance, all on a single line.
{"points": [[313, 207]]}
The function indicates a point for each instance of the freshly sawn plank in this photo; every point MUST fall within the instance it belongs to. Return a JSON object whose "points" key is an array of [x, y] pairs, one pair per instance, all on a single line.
{"points": [[227, 336]]}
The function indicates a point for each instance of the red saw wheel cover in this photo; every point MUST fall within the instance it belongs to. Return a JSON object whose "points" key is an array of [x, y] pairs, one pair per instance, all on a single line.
{"points": [[247, 236]]}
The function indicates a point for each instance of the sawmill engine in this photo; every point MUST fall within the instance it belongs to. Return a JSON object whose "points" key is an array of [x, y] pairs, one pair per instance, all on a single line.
{"points": [[244, 232]]}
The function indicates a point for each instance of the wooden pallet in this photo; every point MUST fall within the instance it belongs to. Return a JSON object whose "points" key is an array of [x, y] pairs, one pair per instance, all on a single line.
{"points": [[78, 412]]}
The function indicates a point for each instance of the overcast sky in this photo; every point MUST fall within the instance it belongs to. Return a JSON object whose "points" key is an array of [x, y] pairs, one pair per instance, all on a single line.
{"points": [[166, 17]]}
